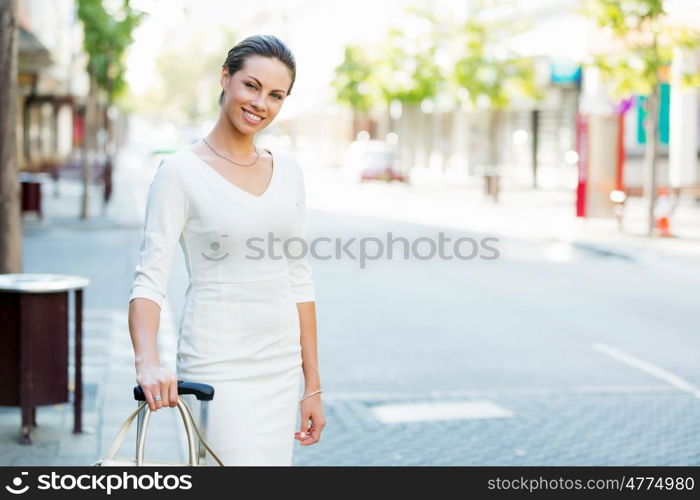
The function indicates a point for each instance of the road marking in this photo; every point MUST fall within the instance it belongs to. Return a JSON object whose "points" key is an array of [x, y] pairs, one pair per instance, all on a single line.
{"points": [[448, 410], [645, 366], [380, 396]]}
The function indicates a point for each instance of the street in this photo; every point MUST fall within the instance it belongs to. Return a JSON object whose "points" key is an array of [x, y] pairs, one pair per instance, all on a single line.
{"points": [[550, 354]]}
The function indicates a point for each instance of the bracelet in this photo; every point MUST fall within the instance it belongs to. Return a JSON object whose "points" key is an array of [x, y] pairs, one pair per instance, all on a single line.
{"points": [[310, 394]]}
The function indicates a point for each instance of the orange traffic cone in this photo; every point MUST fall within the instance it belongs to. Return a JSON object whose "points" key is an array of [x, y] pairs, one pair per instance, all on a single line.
{"points": [[663, 223]]}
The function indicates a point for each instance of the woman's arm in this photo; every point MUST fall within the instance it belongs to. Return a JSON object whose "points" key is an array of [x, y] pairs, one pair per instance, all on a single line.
{"points": [[309, 349], [166, 213], [303, 291], [144, 321], [312, 418]]}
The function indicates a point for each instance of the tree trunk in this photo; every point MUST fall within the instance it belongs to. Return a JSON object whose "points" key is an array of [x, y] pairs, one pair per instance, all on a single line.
{"points": [[89, 144], [651, 130], [407, 137], [10, 216], [109, 155], [535, 145], [492, 174]]}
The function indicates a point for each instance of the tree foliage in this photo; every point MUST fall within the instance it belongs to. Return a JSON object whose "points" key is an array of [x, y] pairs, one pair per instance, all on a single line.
{"points": [[190, 74], [401, 66], [488, 69], [427, 57], [406, 69], [106, 38], [641, 44], [352, 77]]}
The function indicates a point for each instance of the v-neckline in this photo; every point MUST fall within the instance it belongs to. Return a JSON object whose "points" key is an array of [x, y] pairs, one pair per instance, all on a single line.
{"points": [[234, 186]]}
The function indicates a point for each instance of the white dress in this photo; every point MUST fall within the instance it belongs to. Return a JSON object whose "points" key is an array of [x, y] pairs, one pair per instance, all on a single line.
{"points": [[239, 330]]}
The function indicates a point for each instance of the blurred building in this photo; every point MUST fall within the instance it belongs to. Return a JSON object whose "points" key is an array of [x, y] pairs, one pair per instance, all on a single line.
{"points": [[51, 75], [539, 141], [535, 140], [616, 129]]}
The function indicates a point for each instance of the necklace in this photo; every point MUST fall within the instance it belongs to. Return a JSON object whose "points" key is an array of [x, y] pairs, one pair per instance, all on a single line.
{"points": [[257, 156]]}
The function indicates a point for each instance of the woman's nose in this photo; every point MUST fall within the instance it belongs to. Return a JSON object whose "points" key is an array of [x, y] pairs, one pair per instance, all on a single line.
{"points": [[259, 104]]}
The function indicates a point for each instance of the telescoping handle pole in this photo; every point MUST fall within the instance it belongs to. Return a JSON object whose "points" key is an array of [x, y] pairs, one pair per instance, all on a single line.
{"points": [[203, 392]]}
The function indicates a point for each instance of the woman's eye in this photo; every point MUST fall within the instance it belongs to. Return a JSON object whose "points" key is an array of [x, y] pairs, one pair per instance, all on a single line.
{"points": [[253, 86]]}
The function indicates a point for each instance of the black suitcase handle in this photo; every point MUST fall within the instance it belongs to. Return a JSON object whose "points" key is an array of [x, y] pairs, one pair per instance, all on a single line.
{"points": [[202, 392]]}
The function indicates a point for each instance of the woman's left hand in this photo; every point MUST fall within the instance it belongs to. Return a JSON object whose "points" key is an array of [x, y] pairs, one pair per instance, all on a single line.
{"points": [[312, 421]]}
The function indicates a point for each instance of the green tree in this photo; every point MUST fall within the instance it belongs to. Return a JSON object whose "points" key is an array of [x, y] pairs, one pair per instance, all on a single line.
{"points": [[353, 83], [493, 74], [408, 65], [641, 50], [352, 77], [399, 67], [106, 36], [189, 92], [406, 68], [407, 72]]}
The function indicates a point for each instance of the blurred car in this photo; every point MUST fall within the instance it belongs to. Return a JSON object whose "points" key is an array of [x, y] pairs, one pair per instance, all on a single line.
{"points": [[372, 160]]}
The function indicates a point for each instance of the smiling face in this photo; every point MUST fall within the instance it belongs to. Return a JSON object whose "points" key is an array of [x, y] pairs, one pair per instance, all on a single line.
{"points": [[259, 87]]}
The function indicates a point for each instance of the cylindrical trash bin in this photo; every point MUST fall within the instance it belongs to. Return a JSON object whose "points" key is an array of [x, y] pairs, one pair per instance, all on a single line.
{"points": [[31, 193], [34, 339]]}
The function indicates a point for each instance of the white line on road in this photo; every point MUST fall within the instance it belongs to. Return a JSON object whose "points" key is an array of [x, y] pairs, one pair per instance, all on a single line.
{"points": [[645, 366], [494, 392]]}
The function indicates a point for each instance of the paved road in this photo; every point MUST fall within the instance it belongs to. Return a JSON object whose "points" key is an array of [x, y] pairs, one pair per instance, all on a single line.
{"points": [[579, 346], [548, 355]]}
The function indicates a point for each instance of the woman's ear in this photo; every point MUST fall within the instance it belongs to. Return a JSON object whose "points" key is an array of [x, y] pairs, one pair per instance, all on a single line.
{"points": [[224, 78]]}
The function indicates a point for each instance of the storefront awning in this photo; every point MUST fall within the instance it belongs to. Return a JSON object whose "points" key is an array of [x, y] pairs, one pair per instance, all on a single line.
{"points": [[32, 56]]}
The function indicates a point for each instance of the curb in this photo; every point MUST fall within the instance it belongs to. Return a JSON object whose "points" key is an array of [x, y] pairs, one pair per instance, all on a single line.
{"points": [[600, 251]]}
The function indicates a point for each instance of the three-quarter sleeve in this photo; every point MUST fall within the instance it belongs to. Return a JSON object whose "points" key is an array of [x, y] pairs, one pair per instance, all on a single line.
{"points": [[300, 277], [166, 213]]}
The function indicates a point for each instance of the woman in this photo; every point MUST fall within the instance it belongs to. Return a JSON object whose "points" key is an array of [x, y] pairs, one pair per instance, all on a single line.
{"points": [[248, 327]]}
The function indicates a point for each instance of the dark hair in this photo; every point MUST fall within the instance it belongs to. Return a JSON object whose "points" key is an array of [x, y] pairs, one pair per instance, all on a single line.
{"points": [[262, 45]]}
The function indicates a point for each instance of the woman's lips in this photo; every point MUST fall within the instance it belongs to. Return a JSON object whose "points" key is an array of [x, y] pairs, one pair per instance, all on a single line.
{"points": [[249, 120]]}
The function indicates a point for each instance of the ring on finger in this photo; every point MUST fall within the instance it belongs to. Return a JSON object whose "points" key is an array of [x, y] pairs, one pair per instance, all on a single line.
{"points": [[157, 397]]}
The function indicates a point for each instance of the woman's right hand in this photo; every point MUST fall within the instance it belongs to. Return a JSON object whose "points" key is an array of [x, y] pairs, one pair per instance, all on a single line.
{"points": [[154, 380]]}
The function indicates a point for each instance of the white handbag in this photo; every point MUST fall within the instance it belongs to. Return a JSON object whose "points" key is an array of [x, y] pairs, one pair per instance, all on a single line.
{"points": [[111, 459]]}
